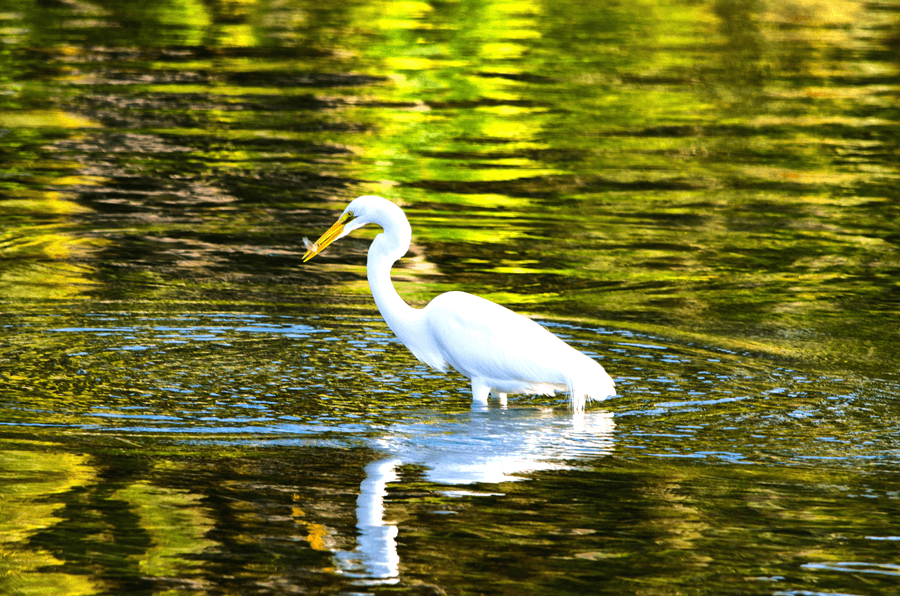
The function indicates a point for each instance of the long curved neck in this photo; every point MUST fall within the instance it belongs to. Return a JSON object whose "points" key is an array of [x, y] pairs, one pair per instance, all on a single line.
{"points": [[385, 250]]}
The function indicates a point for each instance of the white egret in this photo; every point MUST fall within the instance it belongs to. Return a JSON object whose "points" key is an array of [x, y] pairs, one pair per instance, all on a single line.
{"points": [[500, 351]]}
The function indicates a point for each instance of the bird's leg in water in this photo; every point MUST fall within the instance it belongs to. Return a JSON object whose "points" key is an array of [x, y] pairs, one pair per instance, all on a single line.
{"points": [[480, 393], [501, 397]]}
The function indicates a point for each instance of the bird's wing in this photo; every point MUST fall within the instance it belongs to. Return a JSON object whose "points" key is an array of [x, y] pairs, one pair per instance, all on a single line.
{"points": [[482, 339]]}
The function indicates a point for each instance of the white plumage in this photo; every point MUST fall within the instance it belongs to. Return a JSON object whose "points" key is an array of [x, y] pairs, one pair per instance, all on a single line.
{"points": [[498, 350]]}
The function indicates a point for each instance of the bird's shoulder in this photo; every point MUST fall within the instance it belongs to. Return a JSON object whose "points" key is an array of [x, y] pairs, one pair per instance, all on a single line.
{"points": [[464, 306], [462, 311]]}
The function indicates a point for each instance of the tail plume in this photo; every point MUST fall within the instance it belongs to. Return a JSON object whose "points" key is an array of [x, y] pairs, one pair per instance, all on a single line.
{"points": [[588, 382]]}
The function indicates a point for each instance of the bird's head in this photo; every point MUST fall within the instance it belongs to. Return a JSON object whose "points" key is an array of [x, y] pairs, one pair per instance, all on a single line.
{"points": [[361, 211]]}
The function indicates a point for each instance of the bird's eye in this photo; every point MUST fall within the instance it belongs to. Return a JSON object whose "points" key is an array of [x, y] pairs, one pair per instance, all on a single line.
{"points": [[347, 217]]}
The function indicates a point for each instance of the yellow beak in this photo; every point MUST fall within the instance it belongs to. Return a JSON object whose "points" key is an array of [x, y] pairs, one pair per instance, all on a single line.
{"points": [[327, 238]]}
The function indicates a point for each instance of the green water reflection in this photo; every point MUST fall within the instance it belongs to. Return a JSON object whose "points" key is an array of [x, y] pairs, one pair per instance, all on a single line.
{"points": [[709, 188], [270, 522], [125, 465], [724, 169]]}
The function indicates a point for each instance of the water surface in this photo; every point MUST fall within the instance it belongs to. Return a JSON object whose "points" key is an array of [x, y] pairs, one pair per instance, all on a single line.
{"points": [[701, 196]]}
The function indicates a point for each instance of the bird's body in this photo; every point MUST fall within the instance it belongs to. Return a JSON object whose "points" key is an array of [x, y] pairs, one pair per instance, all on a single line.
{"points": [[499, 350]]}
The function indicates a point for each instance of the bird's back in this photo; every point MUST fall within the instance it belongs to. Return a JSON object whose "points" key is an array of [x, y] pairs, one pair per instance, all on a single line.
{"points": [[509, 352]]}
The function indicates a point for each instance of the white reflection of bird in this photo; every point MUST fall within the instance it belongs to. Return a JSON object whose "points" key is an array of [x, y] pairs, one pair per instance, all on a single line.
{"points": [[498, 350]]}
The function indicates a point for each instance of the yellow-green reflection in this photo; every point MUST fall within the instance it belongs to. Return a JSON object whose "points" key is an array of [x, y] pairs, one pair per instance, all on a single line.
{"points": [[723, 173], [177, 525], [44, 119], [713, 167], [29, 481], [45, 261]]}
